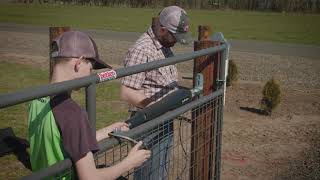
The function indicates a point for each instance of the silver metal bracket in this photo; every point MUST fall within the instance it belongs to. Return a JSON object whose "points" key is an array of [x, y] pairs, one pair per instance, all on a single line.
{"points": [[198, 88]]}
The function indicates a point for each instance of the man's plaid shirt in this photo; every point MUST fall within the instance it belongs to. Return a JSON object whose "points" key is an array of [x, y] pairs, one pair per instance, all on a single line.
{"points": [[155, 83]]}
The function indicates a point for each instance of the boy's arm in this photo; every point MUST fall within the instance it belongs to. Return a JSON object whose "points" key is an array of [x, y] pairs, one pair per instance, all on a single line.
{"points": [[86, 169], [103, 133]]}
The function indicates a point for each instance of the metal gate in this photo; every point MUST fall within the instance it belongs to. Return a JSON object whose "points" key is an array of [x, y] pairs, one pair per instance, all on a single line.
{"points": [[195, 139]]}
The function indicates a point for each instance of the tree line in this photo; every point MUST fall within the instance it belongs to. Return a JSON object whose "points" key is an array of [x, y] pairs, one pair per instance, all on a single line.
{"points": [[251, 5]]}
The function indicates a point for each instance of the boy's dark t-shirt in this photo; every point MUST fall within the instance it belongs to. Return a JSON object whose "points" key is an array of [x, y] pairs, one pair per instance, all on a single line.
{"points": [[58, 129], [72, 120]]}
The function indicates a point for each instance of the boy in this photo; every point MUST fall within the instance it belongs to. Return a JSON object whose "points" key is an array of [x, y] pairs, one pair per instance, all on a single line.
{"points": [[58, 126]]}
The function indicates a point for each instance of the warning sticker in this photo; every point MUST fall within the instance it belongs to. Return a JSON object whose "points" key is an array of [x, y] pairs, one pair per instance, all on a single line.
{"points": [[107, 75]]}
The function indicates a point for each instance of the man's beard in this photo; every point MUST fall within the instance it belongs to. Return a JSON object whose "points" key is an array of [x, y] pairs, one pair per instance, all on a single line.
{"points": [[165, 42]]}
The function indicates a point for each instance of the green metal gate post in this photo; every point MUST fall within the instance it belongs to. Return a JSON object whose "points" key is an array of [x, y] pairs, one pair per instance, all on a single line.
{"points": [[221, 84], [91, 105]]}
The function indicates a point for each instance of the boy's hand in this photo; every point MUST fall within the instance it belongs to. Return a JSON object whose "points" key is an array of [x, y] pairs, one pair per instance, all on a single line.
{"points": [[118, 126], [103, 133], [137, 156]]}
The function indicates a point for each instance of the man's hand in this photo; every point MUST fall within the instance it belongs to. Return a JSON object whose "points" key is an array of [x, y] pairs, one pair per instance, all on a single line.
{"points": [[103, 133]]}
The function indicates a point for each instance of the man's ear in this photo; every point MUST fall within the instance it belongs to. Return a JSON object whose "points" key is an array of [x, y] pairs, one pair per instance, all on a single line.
{"points": [[158, 32], [162, 30], [78, 63]]}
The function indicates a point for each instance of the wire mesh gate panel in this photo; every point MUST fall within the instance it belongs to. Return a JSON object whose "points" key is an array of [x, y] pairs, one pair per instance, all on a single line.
{"points": [[177, 151]]}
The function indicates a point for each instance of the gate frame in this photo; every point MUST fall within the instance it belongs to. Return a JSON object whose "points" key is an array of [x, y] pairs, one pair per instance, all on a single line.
{"points": [[90, 82]]}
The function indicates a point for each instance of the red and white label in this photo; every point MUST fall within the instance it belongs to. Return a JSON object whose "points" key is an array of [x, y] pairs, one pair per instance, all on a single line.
{"points": [[107, 75]]}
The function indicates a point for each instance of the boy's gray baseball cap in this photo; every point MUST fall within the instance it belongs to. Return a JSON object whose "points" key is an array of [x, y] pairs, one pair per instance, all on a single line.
{"points": [[74, 44], [175, 19]]}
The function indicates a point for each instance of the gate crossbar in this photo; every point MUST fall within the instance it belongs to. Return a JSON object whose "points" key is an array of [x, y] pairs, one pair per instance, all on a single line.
{"points": [[11, 99]]}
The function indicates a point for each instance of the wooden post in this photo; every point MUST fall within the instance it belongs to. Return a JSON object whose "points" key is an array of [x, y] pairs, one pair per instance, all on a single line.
{"points": [[54, 32], [203, 136], [204, 33]]}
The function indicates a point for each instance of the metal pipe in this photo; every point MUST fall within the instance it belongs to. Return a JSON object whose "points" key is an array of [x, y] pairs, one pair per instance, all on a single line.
{"points": [[50, 171], [168, 61], [91, 106], [223, 71], [46, 90]]}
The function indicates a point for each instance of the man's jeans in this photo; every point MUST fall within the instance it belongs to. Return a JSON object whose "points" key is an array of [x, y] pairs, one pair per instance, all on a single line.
{"points": [[157, 167]]}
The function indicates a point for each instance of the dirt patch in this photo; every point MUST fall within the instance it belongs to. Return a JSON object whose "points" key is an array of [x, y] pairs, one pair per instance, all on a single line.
{"points": [[271, 147]]}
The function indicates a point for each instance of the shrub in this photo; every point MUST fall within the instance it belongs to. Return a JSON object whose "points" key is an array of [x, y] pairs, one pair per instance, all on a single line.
{"points": [[271, 96], [232, 73]]}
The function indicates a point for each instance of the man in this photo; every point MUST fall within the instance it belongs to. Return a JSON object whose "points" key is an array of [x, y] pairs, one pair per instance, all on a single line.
{"points": [[145, 88], [59, 128]]}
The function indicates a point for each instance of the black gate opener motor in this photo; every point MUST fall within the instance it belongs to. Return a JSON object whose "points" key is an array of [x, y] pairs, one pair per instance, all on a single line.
{"points": [[172, 101]]}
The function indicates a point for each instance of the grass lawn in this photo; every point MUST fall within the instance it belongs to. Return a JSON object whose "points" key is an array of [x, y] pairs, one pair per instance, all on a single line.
{"points": [[279, 27], [14, 77]]}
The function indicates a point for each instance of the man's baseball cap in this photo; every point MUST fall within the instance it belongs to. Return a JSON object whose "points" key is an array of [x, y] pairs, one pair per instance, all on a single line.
{"points": [[175, 19], [74, 44]]}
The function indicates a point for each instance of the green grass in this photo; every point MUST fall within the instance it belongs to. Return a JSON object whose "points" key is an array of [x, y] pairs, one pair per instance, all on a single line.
{"points": [[14, 77], [279, 27]]}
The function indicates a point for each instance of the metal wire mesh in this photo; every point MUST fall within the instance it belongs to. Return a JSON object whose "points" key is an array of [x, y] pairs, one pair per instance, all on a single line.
{"points": [[182, 148]]}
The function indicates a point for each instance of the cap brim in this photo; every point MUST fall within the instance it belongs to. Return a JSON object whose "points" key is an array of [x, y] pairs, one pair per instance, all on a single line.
{"points": [[100, 64], [183, 38]]}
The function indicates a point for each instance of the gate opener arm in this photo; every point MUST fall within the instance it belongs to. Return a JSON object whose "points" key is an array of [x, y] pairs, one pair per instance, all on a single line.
{"points": [[117, 133], [171, 101]]}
